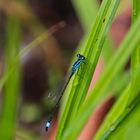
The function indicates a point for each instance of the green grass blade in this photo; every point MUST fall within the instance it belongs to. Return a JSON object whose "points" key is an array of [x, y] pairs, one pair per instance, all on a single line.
{"points": [[135, 57], [115, 65], [92, 53], [8, 118], [93, 49], [127, 127], [87, 14], [121, 109]]}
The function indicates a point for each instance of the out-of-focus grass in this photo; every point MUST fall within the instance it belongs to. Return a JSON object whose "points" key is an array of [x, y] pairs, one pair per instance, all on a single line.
{"points": [[25, 134], [10, 80], [86, 12], [25, 51], [12, 86]]}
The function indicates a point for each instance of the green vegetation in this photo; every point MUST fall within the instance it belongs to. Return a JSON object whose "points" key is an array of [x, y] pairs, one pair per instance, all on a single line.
{"points": [[123, 120]]}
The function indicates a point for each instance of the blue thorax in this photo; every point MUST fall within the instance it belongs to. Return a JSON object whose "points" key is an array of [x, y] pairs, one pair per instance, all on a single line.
{"points": [[78, 63]]}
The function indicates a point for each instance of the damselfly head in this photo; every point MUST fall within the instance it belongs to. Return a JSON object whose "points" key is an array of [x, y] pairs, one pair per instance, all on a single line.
{"points": [[80, 57]]}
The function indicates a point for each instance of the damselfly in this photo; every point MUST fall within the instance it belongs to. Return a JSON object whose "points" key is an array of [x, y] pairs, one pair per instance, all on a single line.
{"points": [[58, 93]]}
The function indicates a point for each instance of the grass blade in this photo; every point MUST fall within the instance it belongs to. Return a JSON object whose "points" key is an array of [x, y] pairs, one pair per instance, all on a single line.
{"points": [[113, 68], [92, 53], [8, 118]]}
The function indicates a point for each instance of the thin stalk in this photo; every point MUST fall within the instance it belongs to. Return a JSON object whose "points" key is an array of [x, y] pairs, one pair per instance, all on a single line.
{"points": [[11, 96], [135, 57]]}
